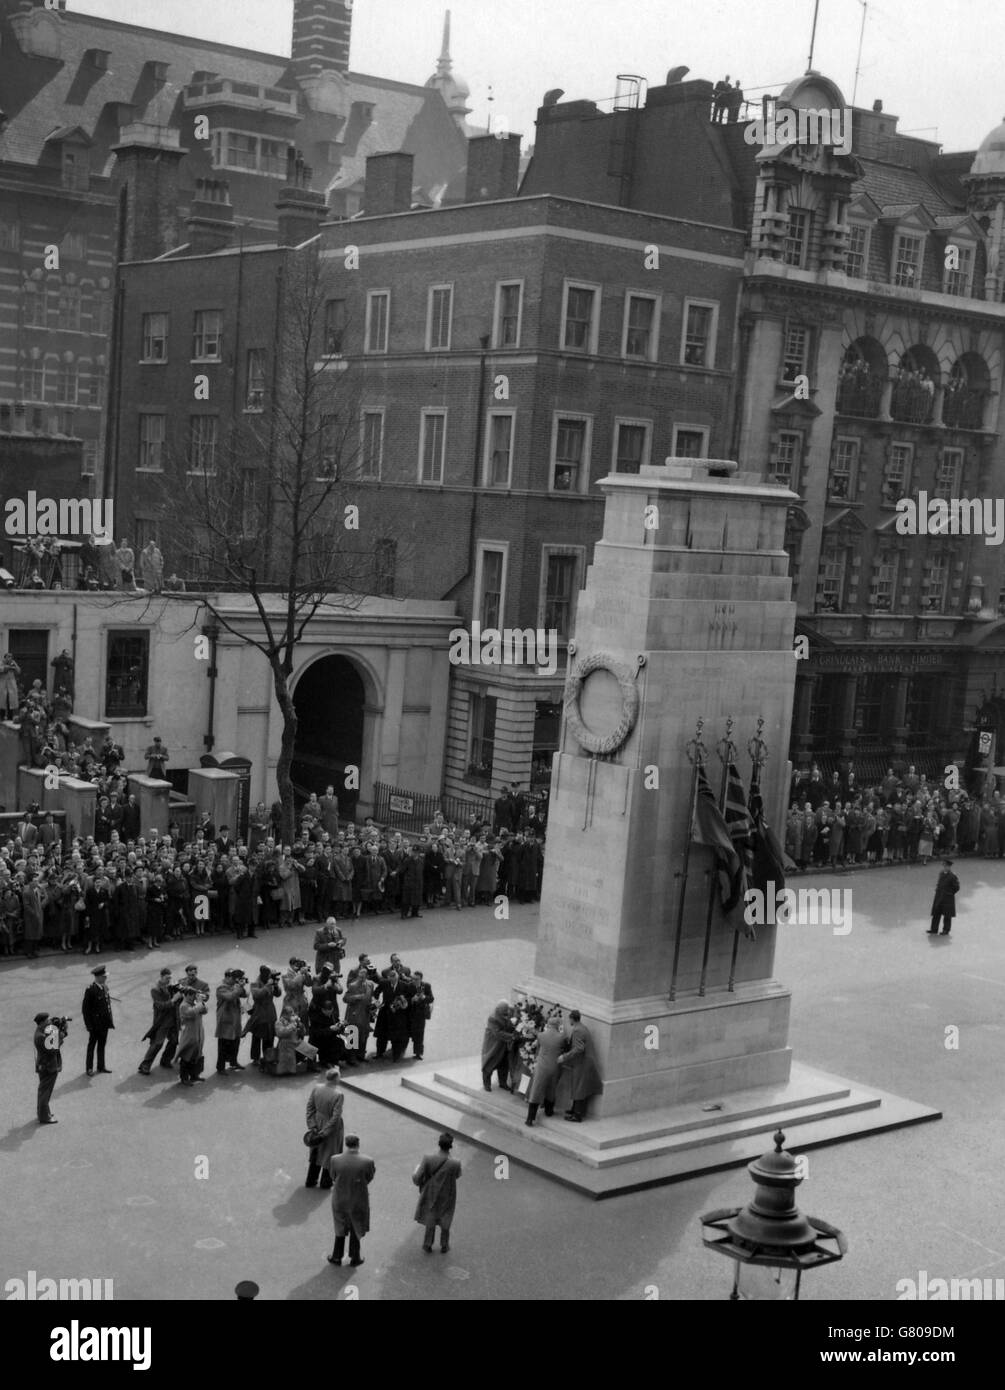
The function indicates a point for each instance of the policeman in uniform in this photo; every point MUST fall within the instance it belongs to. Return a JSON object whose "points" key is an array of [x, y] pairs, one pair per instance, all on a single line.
{"points": [[48, 1063]]}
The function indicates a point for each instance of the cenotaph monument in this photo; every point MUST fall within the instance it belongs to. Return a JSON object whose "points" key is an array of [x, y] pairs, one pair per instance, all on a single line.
{"points": [[683, 654]]}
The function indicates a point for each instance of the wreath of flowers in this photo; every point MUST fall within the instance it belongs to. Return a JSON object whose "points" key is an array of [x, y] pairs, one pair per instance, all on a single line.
{"points": [[531, 1019], [601, 743]]}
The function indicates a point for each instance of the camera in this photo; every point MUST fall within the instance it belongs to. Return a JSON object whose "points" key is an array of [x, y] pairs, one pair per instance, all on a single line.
{"points": [[60, 1022], [298, 964]]}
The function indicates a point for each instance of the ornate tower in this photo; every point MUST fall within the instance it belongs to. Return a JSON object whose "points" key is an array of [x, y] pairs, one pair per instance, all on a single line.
{"points": [[455, 90], [321, 34]]}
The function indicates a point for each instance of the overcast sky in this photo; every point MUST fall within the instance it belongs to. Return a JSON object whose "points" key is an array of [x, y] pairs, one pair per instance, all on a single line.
{"points": [[934, 63]]}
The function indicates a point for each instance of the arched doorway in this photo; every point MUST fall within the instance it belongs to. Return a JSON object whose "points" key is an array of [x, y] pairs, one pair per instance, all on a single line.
{"points": [[329, 699]]}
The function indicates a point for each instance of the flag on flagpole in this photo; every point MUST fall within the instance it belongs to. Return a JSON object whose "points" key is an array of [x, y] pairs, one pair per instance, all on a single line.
{"points": [[768, 859], [740, 824], [710, 829]]}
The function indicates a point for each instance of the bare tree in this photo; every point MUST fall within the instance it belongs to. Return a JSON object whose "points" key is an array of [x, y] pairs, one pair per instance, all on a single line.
{"points": [[269, 512]]}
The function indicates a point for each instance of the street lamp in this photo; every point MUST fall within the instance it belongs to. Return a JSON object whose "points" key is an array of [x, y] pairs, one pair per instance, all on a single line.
{"points": [[770, 1240]]}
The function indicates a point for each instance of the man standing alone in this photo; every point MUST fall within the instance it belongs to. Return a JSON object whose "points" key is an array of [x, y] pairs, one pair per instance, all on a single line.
{"points": [[944, 902], [436, 1178], [352, 1173], [97, 1013], [48, 1063]]}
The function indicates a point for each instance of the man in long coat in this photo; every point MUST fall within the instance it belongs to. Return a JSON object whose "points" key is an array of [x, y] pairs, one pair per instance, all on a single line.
{"points": [[544, 1081], [163, 1032], [324, 1117], [33, 901], [358, 997], [329, 811], [499, 1036], [392, 1020], [411, 877], [96, 1010], [228, 1021], [352, 1173], [579, 1056], [436, 1178], [944, 902]]}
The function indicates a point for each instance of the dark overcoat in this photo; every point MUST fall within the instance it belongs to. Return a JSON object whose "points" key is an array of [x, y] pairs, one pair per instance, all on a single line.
{"points": [[544, 1080], [580, 1058], [436, 1178], [946, 888], [352, 1173]]}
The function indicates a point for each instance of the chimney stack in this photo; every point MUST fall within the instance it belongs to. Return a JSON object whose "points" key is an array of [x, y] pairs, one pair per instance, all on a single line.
{"points": [[146, 179], [300, 210], [210, 222], [388, 185], [493, 168], [321, 33]]}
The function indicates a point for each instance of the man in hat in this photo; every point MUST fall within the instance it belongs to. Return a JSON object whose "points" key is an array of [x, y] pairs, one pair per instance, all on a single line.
{"points": [[48, 1063], [436, 1178], [944, 902], [163, 1032], [352, 1173], [96, 1010]]}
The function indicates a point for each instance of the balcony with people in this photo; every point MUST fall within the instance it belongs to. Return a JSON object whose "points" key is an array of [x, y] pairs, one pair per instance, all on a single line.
{"points": [[861, 380], [966, 393], [912, 400]]}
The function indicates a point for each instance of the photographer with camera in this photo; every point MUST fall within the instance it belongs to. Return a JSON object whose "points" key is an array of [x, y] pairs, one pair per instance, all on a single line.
{"points": [[329, 945], [163, 1032], [295, 982], [261, 1022], [228, 1019], [50, 1032], [191, 1034]]}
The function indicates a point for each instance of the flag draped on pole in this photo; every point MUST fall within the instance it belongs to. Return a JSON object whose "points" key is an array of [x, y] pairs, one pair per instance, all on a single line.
{"points": [[768, 859], [741, 830], [710, 829]]}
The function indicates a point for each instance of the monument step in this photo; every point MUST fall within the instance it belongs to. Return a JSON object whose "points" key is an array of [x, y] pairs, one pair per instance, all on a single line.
{"points": [[604, 1157]]}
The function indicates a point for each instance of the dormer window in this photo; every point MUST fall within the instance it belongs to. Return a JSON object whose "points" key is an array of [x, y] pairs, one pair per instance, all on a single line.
{"points": [[98, 58], [908, 251], [958, 279], [158, 71], [76, 167], [858, 247]]}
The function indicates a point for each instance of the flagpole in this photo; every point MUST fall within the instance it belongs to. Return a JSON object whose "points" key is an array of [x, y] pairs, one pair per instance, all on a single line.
{"points": [[758, 751], [697, 753], [725, 751]]}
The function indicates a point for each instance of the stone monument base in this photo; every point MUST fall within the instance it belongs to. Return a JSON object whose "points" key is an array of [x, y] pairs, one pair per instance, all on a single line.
{"points": [[648, 1148]]}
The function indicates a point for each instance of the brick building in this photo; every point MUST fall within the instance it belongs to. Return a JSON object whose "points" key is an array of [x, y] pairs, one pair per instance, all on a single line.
{"points": [[870, 370], [506, 354], [72, 84]]}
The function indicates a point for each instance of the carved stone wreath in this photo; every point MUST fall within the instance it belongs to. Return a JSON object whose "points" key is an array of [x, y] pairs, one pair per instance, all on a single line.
{"points": [[625, 676]]}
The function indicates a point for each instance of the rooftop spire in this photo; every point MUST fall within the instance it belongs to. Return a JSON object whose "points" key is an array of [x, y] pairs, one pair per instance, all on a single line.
{"points": [[444, 63]]}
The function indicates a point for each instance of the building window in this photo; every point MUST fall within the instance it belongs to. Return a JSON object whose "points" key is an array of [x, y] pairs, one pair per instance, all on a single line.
{"points": [[126, 675], [30, 649], [490, 579], [897, 473], [432, 437], [155, 337], [69, 308], [690, 442], [907, 261], [440, 311], [335, 322], [796, 237], [579, 318], [64, 423], [10, 236], [33, 379], [254, 396], [101, 314], [207, 335], [639, 339], [152, 431], [868, 715], [960, 280], [236, 149], [935, 583], [378, 309], [631, 445], [73, 247], [855, 262], [949, 473], [795, 352], [509, 313], [372, 444], [385, 558], [145, 530], [68, 379], [36, 306], [884, 587], [698, 340], [919, 711], [569, 453], [499, 448], [329, 448], [831, 577], [99, 381], [482, 719], [561, 583], [203, 430], [787, 458], [76, 169], [842, 483], [89, 458]]}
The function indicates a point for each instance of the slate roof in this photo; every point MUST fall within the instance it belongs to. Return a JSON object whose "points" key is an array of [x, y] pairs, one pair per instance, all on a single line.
{"points": [[894, 186]]}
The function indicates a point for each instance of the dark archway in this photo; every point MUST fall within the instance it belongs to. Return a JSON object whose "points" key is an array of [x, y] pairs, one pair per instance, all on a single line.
{"points": [[329, 699]]}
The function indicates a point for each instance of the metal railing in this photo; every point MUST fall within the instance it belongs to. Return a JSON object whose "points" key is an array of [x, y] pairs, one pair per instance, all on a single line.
{"points": [[400, 809]]}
